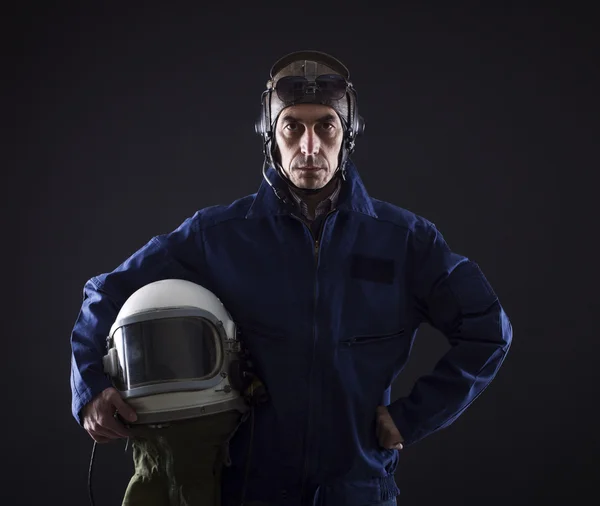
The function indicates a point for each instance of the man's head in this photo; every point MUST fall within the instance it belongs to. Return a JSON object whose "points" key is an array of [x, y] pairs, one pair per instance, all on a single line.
{"points": [[310, 92], [308, 140]]}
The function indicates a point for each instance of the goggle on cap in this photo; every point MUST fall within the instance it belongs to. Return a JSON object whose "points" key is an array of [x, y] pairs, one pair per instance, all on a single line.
{"points": [[310, 77]]}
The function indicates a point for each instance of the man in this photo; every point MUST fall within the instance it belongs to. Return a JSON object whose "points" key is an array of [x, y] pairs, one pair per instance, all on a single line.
{"points": [[328, 287]]}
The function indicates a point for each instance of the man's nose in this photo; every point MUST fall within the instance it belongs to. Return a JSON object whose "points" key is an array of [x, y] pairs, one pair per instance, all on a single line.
{"points": [[310, 142]]}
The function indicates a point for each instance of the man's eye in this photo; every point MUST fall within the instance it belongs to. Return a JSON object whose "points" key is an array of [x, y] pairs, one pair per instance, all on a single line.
{"points": [[327, 126], [292, 127]]}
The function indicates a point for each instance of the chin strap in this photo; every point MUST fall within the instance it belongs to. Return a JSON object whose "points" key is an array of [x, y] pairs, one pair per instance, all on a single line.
{"points": [[279, 195]]}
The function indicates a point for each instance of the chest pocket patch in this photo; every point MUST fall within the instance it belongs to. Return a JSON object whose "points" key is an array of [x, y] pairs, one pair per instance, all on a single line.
{"points": [[377, 270]]}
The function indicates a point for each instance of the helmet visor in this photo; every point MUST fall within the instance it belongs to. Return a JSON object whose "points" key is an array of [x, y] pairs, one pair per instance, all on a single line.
{"points": [[167, 350]]}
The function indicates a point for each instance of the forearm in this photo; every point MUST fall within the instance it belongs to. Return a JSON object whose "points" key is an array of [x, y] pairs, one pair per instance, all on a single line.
{"points": [[479, 348], [88, 345]]}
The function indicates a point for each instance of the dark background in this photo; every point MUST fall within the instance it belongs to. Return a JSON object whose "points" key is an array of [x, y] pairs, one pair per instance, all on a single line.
{"points": [[120, 122]]}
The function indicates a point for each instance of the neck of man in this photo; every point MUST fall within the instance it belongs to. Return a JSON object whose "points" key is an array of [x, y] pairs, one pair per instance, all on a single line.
{"points": [[312, 200]]}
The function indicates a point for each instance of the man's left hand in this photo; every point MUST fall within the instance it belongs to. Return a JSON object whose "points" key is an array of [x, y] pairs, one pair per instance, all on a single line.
{"points": [[388, 435]]}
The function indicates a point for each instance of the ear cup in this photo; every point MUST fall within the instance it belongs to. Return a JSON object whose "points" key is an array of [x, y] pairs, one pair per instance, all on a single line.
{"points": [[360, 125], [261, 125], [358, 122], [258, 125]]}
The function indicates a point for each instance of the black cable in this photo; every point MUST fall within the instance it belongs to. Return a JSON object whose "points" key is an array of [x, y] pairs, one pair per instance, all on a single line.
{"points": [[247, 473], [90, 474]]}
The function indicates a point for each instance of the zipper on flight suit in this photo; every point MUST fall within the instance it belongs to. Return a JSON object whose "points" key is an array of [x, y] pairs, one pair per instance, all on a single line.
{"points": [[317, 244]]}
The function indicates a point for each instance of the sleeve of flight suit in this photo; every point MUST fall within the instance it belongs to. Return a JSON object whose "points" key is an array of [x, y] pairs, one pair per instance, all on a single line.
{"points": [[451, 293], [177, 255]]}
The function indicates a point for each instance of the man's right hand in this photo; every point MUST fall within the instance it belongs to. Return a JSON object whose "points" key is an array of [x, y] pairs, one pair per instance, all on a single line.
{"points": [[99, 419]]}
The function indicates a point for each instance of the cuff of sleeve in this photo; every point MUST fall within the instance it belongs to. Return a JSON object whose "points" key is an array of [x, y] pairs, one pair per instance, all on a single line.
{"points": [[85, 396]]}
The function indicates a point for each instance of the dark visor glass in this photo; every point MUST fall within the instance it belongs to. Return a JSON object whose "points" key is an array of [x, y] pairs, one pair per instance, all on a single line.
{"points": [[171, 349], [324, 88]]}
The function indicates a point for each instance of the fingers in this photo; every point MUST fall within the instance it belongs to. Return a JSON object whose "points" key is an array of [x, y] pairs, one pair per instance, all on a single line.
{"points": [[99, 439], [388, 435], [99, 416], [394, 446], [115, 427], [124, 409], [106, 427], [389, 445], [389, 442], [98, 431]]}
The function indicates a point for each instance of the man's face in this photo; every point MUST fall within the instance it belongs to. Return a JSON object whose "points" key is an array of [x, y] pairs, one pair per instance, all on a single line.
{"points": [[309, 138]]}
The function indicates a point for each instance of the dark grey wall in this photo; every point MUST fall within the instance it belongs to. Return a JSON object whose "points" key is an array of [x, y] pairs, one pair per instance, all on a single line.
{"points": [[122, 121]]}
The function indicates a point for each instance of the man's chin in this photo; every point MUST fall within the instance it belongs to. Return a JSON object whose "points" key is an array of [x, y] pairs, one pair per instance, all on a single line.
{"points": [[310, 179], [308, 183]]}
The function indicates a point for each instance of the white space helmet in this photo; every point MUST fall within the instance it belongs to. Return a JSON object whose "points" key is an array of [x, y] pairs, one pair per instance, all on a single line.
{"points": [[172, 351]]}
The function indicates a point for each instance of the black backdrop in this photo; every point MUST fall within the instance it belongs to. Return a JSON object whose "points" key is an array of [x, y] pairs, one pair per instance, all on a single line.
{"points": [[120, 122]]}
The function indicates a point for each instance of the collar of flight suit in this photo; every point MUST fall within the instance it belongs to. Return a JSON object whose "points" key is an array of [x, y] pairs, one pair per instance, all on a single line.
{"points": [[353, 196]]}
